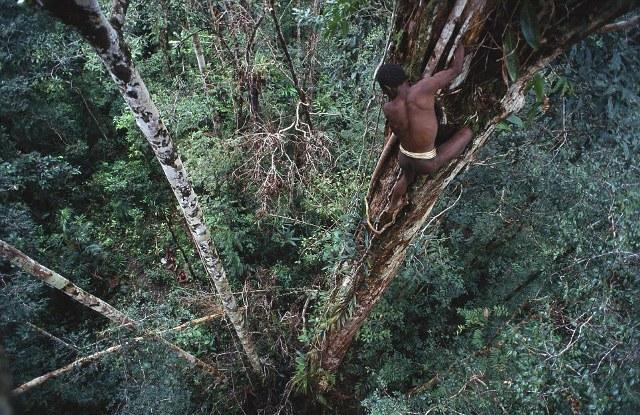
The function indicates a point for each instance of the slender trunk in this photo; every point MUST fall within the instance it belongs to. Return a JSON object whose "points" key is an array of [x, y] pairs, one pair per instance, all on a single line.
{"points": [[256, 80], [164, 39], [88, 19], [309, 82], [230, 58], [174, 237], [57, 281], [202, 64], [429, 32]]}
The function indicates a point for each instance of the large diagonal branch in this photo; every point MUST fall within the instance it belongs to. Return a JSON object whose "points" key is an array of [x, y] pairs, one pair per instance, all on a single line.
{"points": [[87, 18], [57, 281], [27, 386]]}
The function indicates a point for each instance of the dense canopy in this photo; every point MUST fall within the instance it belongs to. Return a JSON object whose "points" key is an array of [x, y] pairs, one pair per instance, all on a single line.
{"points": [[194, 209]]}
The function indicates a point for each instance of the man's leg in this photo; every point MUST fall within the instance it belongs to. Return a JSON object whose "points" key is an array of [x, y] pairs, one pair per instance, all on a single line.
{"points": [[447, 151], [407, 176], [454, 146]]}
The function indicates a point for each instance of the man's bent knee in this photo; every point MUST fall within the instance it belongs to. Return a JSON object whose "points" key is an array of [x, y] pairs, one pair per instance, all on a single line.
{"points": [[467, 133]]}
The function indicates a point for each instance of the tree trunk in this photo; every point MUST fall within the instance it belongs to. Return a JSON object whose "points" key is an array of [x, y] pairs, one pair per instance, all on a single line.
{"points": [[309, 82], [499, 64], [87, 18]]}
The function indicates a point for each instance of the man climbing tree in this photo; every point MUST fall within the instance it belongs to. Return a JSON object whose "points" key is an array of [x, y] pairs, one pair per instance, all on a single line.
{"points": [[513, 43], [412, 118]]}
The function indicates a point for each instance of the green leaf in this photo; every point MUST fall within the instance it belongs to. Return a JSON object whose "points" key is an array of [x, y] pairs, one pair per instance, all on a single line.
{"points": [[529, 25], [503, 126], [510, 56], [538, 86], [515, 120]]}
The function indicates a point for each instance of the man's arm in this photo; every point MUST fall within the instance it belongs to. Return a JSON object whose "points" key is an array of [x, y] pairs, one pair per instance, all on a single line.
{"points": [[444, 78]]}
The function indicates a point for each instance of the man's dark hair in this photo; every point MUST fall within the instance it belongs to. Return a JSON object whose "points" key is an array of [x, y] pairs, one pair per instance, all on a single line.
{"points": [[391, 75]]}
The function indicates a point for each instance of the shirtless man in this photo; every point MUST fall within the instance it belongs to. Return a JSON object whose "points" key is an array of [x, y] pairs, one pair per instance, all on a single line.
{"points": [[412, 118]]}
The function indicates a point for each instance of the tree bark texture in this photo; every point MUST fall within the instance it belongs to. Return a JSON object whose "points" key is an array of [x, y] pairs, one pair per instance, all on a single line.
{"points": [[57, 281], [488, 90], [87, 18]]}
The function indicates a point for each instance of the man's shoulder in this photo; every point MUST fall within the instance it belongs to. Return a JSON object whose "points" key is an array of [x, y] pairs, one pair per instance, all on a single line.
{"points": [[391, 106], [424, 85]]}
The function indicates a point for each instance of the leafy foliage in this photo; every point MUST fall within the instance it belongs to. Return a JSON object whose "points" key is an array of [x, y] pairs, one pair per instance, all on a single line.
{"points": [[521, 298]]}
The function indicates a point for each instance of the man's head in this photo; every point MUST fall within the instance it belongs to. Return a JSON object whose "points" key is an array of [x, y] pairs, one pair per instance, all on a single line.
{"points": [[390, 77]]}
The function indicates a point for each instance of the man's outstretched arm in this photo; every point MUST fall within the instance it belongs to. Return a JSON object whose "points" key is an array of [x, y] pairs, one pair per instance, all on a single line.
{"points": [[443, 78]]}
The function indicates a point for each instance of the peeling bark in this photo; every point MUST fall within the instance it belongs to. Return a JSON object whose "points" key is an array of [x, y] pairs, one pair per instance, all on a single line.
{"points": [[483, 100], [87, 18]]}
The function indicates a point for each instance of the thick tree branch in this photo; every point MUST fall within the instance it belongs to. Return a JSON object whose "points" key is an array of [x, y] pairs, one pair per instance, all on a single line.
{"points": [[56, 373], [96, 356], [621, 25], [57, 281]]}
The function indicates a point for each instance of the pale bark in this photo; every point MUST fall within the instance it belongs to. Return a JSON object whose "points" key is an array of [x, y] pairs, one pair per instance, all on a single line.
{"points": [[98, 355], [194, 322], [57, 281], [621, 25], [202, 63], [483, 95], [87, 18], [56, 373]]}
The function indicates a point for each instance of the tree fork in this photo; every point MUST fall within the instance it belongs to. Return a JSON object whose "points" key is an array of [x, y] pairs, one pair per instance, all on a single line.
{"points": [[304, 100], [109, 44], [485, 98]]}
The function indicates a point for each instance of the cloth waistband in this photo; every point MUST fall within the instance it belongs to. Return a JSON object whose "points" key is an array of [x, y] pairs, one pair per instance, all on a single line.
{"points": [[427, 155]]}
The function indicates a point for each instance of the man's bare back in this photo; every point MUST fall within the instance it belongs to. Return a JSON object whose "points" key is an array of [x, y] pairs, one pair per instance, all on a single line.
{"points": [[412, 118]]}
